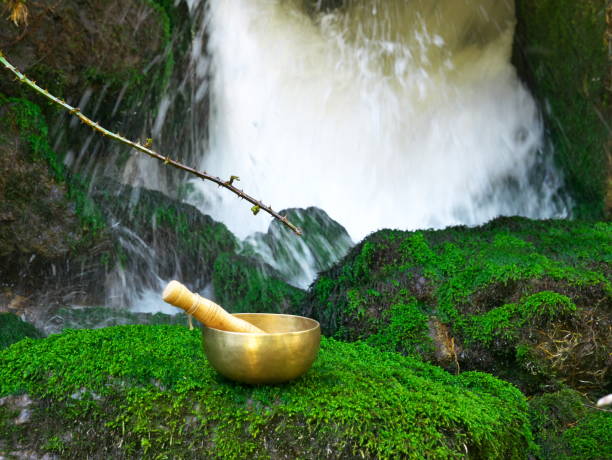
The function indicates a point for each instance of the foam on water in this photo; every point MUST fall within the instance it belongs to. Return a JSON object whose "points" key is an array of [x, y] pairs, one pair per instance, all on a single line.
{"points": [[384, 113]]}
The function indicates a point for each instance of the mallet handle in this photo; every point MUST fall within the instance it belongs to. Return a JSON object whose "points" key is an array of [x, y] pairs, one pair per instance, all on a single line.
{"points": [[206, 311]]}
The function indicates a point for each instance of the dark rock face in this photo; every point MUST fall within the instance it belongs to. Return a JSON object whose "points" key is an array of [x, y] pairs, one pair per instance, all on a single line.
{"points": [[115, 60], [37, 217], [47, 247], [112, 60], [561, 51], [171, 239], [71, 43], [52, 240], [53, 26]]}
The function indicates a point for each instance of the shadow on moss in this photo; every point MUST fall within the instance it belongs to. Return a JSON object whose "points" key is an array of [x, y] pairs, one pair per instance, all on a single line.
{"points": [[13, 329], [566, 426]]}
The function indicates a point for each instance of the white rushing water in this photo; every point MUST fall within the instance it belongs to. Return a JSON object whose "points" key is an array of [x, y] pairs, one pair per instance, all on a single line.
{"points": [[386, 113]]}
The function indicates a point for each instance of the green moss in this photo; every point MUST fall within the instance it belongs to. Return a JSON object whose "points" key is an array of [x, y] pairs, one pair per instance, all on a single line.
{"points": [[149, 390], [506, 322], [455, 264], [202, 240], [590, 438], [403, 327], [13, 329], [563, 53], [244, 285], [494, 286], [567, 426]]}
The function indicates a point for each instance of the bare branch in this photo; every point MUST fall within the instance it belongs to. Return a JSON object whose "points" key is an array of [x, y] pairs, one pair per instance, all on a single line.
{"points": [[145, 148]]}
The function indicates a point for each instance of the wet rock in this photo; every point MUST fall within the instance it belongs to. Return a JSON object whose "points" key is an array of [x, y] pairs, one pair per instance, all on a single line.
{"points": [[19, 404], [164, 238], [574, 93], [16, 402], [50, 246], [39, 220], [24, 417], [298, 259]]}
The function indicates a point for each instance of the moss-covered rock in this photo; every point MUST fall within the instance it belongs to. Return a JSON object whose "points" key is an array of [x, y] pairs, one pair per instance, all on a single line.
{"points": [[562, 52], [298, 260], [133, 391], [530, 301], [13, 329], [567, 426], [242, 284], [45, 217], [73, 45], [170, 239]]}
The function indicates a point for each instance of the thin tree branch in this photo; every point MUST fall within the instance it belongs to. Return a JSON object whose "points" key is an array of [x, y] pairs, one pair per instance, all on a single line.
{"points": [[145, 149]]}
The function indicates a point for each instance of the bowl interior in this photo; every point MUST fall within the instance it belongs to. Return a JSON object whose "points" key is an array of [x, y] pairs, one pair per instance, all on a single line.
{"points": [[277, 323]]}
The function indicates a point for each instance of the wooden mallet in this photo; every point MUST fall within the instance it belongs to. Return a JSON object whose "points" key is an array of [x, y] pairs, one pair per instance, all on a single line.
{"points": [[206, 311]]}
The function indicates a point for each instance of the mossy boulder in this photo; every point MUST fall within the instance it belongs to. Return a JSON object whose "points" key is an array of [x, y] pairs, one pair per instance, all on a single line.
{"points": [[530, 301], [165, 238], [299, 259], [561, 51], [243, 284], [567, 426], [13, 329], [134, 391]]}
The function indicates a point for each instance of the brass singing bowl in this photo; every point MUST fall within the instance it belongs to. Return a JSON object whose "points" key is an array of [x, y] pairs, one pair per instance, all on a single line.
{"points": [[285, 352]]}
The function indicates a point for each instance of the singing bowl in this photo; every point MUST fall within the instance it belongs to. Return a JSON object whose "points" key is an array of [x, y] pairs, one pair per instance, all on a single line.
{"points": [[285, 352]]}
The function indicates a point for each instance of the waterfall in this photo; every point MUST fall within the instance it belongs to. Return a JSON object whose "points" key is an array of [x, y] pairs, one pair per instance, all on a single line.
{"points": [[399, 114], [385, 113]]}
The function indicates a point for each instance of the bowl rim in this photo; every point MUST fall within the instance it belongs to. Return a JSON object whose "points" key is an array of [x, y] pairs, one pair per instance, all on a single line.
{"points": [[304, 331]]}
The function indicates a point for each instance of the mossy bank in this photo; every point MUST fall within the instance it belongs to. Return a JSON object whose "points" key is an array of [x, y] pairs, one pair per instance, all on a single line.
{"points": [[147, 391], [530, 301]]}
